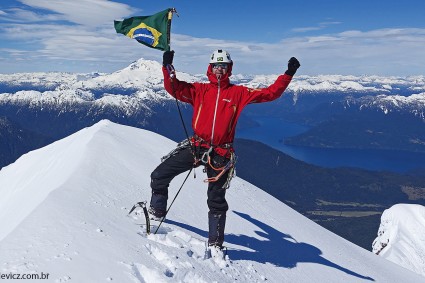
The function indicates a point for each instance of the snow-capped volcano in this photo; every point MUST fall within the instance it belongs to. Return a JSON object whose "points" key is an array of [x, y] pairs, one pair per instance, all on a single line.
{"points": [[141, 74], [64, 207], [129, 90]]}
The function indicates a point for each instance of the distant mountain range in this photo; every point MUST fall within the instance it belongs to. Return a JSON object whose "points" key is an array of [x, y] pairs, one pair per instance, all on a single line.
{"points": [[352, 112], [380, 112]]}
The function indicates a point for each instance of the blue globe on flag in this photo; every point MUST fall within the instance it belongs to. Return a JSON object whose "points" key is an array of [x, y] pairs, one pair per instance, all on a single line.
{"points": [[143, 35]]}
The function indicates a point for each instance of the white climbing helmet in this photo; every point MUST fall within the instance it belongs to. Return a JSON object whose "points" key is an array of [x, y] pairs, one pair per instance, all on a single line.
{"points": [[220, 56]]}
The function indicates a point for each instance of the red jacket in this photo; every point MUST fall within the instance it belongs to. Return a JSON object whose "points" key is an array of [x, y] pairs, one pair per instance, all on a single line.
{"points": [[228, 98]]}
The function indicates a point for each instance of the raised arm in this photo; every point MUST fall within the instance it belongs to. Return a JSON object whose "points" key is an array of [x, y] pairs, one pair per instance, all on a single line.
{"points": [[276, 89], [181, 90]]}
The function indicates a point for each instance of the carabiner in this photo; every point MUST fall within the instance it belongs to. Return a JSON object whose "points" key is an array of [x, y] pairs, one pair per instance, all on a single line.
{"points": [[206, 156]]}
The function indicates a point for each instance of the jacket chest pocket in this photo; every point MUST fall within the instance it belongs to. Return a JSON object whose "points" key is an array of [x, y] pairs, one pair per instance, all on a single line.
{"points": [[197, 116], [232, 114]]}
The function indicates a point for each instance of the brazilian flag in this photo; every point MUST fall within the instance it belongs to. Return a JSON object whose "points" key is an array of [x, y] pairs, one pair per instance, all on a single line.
{"points": [[152, 31]]}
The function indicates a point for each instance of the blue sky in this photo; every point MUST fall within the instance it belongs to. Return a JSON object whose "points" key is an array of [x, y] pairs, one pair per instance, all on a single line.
{"points": [[363, 37]]}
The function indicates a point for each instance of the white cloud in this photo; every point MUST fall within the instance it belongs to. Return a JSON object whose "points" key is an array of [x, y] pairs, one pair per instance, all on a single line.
{"points": [[84, 12], [320, 26], [13, 52], [384, 51], [21, 15], [306, 29]]}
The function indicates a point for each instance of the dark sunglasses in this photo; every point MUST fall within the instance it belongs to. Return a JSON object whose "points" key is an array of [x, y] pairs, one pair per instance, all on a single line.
{"points": [[222, 65]]}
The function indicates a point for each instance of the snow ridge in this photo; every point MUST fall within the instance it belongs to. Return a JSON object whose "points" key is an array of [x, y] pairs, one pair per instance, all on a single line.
{"points": [[401, 236]]}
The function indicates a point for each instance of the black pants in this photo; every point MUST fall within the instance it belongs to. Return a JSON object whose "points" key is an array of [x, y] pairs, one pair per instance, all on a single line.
{"points": [[179, 163]]}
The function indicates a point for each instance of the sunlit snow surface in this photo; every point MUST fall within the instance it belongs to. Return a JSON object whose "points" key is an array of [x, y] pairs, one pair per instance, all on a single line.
{"points": [[63, 211], [401, 236]]}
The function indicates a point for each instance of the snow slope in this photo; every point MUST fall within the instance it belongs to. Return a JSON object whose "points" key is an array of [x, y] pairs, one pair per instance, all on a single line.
{"points": [[401, 236], [63, 211]]}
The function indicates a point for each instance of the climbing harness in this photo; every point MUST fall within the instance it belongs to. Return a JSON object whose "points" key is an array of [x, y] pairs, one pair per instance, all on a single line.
{"points": [[180, 146]]}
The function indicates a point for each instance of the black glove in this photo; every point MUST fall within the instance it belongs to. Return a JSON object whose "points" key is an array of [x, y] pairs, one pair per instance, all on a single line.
{"points": [[167, 58], [293, 65]]}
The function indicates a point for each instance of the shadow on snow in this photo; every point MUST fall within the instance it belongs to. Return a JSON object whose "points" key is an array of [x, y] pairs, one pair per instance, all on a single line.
{"points": [[277, 248]]}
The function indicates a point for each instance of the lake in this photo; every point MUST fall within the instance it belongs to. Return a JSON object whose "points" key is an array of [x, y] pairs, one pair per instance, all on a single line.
{"points": [[272, 131]]}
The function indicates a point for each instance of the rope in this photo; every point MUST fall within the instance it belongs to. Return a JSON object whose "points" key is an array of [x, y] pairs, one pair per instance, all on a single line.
{"points": [[171, 72], [162, 220]]}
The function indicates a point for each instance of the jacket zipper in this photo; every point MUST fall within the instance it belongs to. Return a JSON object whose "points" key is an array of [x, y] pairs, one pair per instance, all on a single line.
{"points": [[215, 113], [231, 120]]}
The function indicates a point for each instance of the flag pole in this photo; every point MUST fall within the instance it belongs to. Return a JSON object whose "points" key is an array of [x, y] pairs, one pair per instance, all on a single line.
{"points": [[172, 71], [170, 68], [170, 17]]}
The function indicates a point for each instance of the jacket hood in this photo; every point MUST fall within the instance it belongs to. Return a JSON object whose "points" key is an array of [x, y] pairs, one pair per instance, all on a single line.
{"points": [[224, 81]]}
